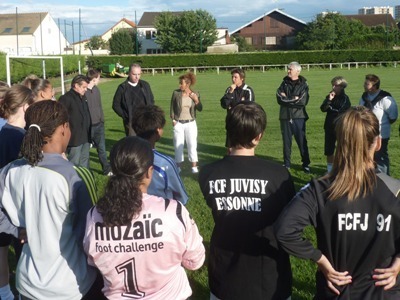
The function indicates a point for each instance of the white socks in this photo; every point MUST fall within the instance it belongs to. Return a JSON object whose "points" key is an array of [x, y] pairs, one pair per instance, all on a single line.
{"points": [[5, 293], [329, 167]]}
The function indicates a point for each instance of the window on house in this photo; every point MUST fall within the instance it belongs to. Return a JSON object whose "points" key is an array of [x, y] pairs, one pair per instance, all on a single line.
{"points": [[151, 34], [155, 51], [7, 30], [248, 40], [270, 40], [26, 29]]}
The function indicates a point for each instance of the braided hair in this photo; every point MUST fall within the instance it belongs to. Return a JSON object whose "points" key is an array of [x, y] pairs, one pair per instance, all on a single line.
{"points": [[42, 119]]}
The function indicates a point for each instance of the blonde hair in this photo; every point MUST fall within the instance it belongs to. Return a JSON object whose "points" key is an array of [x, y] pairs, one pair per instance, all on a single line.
{"points": [[352, 174], [339, 80], [36, 84], [3, 89]]}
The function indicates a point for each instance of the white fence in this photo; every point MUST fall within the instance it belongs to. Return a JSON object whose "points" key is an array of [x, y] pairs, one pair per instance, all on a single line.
{"points": [[264, 68]]}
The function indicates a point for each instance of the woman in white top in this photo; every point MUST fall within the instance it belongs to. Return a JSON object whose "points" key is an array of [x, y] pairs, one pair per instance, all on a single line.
{"points": [[184, 103]]}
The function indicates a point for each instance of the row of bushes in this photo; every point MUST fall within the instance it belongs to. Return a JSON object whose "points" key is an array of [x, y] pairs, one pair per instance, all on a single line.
{"points": [[254, 58], [21, 67]]}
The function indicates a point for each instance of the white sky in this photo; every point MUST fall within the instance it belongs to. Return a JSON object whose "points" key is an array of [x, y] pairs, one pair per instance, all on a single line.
{"points": [[98, 16]]}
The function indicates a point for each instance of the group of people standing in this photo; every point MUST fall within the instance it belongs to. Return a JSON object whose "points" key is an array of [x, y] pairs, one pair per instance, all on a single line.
{"points": [[136, 240], [185, 102], [293, 96], [259, 219], [52, 175]]}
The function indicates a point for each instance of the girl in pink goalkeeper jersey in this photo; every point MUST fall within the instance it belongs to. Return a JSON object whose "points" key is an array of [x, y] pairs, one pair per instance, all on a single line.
{"points": [[139, 242]]}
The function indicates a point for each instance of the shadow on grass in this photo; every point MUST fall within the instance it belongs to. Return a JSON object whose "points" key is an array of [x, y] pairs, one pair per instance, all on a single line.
{"points": [[208, 153]]}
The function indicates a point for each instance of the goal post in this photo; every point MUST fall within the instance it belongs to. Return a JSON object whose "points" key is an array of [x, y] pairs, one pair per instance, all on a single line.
{"points": [[43, 58]]}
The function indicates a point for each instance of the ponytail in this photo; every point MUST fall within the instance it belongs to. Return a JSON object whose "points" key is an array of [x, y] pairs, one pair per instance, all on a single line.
{"points": [[32, 144], [130, 159], [42, 119]]}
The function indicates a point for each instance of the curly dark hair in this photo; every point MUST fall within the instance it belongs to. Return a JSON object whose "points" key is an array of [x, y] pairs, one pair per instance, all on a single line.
{"points": [[44, 116], [189, 78], [130, 158]]}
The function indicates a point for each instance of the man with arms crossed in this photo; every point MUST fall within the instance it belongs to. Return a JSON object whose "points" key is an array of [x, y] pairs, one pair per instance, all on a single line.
{"points": [[292, 95], [130, 94]]}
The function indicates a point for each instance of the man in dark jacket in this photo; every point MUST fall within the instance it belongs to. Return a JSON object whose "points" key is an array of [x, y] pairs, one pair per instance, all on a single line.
{"points": [[79, 120], [292, 95], [130, 94]]}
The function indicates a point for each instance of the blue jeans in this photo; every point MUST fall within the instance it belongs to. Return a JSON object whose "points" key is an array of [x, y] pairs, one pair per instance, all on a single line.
{"points": [[99, 141], [381, 157], [79, 155]]}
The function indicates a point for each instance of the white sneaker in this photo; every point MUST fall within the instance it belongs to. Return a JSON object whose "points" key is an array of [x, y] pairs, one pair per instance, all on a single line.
{"points": [[195, 170], [110, 174]]}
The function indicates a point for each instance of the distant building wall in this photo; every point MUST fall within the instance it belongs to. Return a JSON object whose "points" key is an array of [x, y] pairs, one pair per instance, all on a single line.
{"points": [[47, 39], [376, 10], [228, 48]]}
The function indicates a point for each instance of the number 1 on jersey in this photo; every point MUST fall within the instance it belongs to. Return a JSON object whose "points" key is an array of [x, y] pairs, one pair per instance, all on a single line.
{"points": [[129, 270]]}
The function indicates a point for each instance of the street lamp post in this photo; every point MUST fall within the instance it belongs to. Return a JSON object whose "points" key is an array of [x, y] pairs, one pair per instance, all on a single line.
{"points": [[265, 31]]}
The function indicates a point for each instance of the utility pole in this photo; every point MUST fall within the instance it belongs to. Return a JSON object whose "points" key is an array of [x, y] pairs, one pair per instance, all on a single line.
{"points": [[387, 29], [80, 35], [65, 34], [265, 31], [59, 34], [41, 33], [201, 36], [16, 20], [136, 37]]}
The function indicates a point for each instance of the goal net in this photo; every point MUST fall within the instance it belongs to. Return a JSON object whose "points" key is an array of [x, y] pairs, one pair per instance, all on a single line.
{"points": [[43, 58]]}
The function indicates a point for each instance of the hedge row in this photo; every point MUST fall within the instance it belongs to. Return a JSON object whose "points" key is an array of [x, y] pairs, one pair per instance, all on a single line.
{"points": [[21, 67], [256, 58]]}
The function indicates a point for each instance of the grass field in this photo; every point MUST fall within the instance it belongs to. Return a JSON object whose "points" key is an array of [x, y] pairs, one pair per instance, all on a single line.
{"points": [[211, 139]]}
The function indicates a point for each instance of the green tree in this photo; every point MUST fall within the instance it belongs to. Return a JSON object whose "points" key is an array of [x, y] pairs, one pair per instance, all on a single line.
{"points": [[190, 31], [334, 32], [96, 43], [242, 44], [123, 42]]}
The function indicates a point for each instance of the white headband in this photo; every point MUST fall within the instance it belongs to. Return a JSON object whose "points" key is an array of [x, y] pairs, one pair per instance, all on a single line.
{"points": [[35, 125]]}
